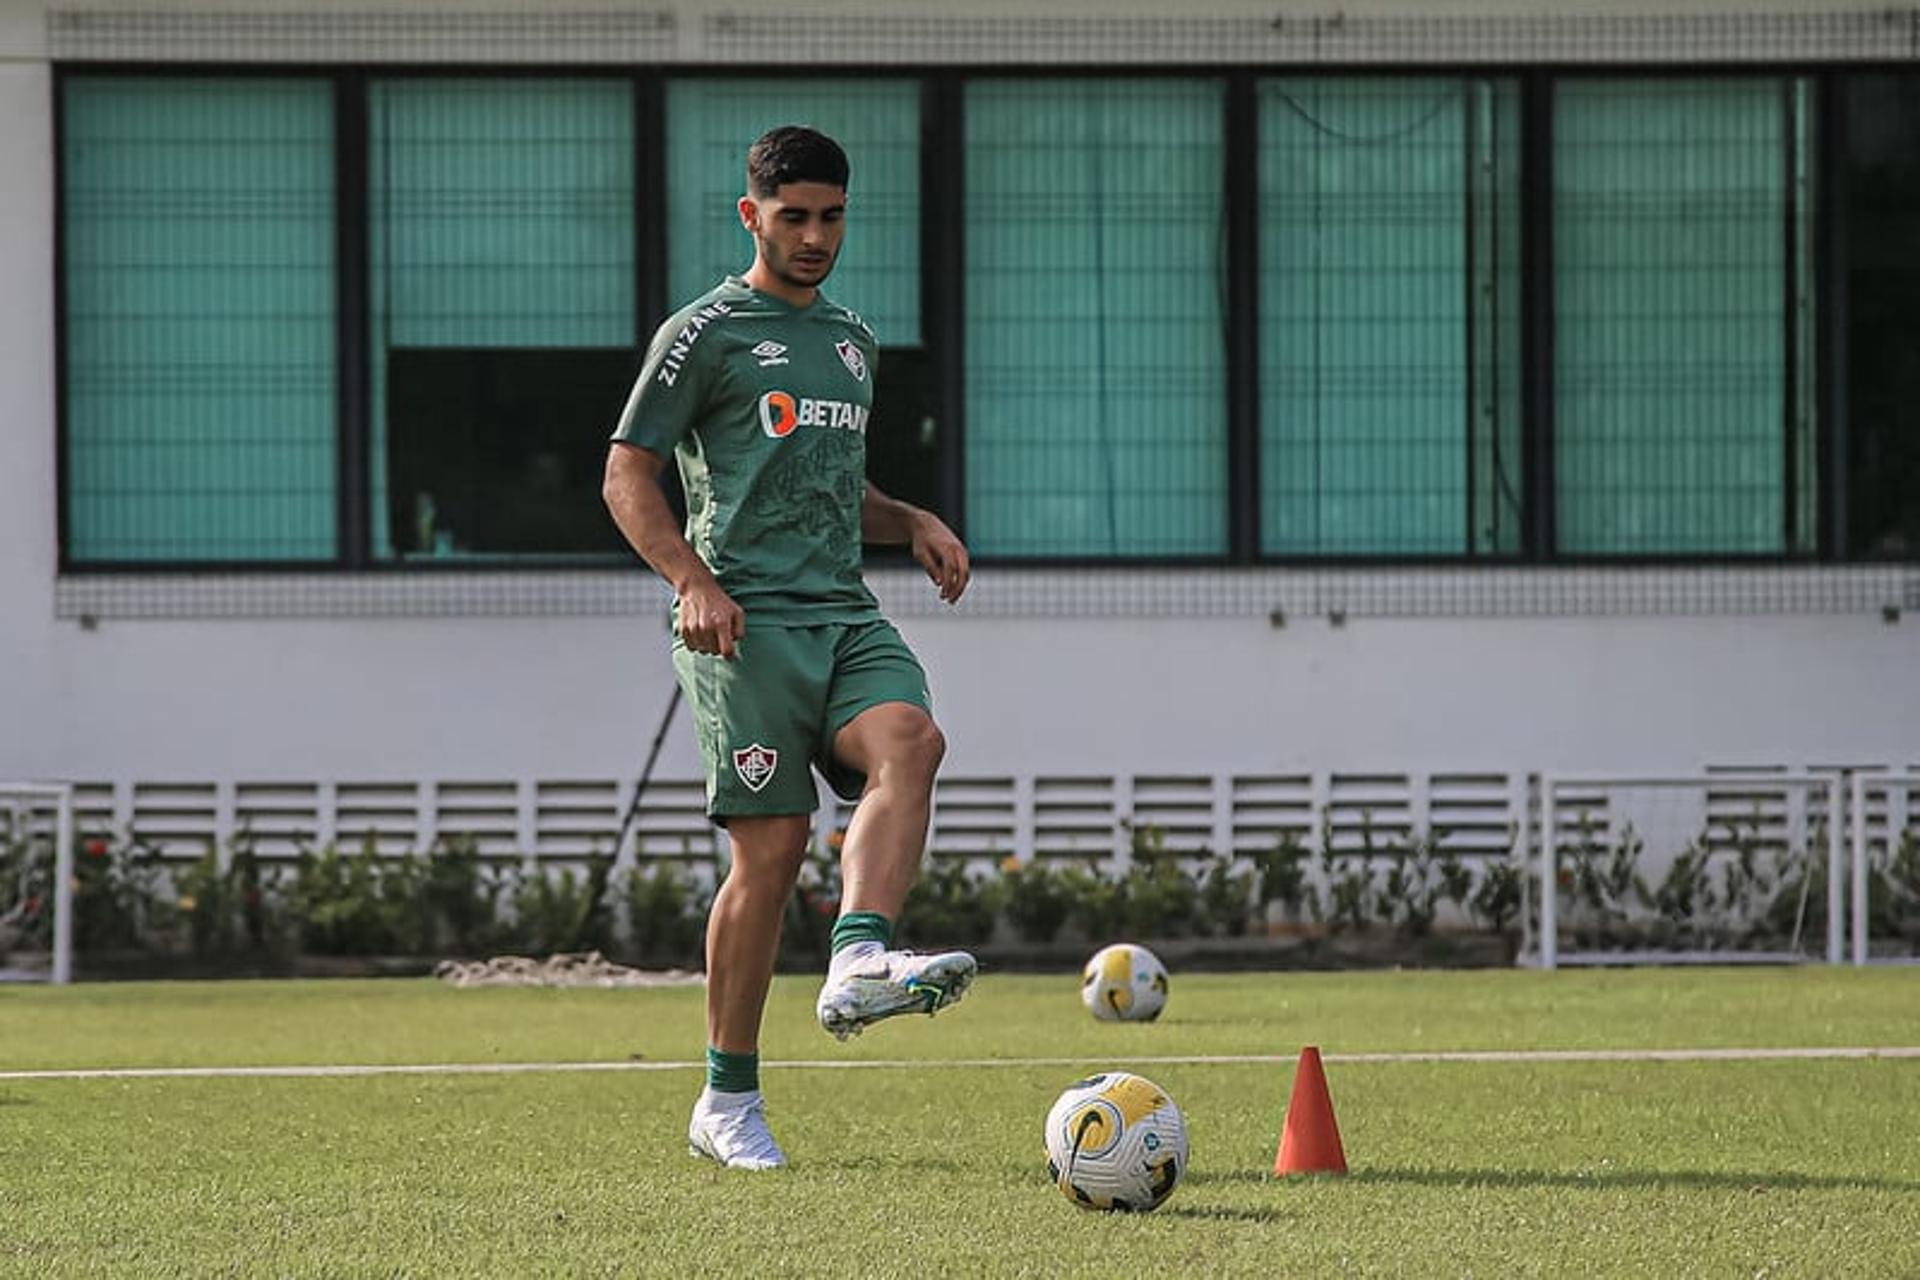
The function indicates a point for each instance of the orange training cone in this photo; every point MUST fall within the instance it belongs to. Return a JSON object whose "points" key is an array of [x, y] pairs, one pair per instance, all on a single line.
{"points": [[1310, 1142]]}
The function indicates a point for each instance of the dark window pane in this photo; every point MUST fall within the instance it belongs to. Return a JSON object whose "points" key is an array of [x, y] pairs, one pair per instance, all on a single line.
{"points": [[903, 451], [1881, 172], [504, 449]]}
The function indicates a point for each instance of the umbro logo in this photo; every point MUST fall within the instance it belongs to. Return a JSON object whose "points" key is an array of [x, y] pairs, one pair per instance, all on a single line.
{"points": [[770, 353]]}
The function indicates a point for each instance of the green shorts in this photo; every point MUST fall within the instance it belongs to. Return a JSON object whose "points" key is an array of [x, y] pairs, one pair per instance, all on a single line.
{"points": [[772, 711]]}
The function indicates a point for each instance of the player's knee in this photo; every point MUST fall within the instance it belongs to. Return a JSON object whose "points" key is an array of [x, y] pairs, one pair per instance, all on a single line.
{"points": [[768, 880], [767, 853], [923, 748]]}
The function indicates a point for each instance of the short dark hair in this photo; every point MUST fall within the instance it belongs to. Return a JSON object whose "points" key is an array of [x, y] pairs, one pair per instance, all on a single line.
{"points": [[794, 153]]}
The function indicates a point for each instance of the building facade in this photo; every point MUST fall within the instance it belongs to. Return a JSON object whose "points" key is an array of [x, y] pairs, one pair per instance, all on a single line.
{"points": [[1353, 413]]}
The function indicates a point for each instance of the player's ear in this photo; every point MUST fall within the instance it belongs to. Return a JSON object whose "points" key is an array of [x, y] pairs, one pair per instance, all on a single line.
{"points": [[749, 213]]}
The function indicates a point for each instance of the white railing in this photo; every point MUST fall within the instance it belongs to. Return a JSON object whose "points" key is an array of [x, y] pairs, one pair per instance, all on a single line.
{"points": [[23, 811], [1481, 816], [1866, 784], [1600, 791]]}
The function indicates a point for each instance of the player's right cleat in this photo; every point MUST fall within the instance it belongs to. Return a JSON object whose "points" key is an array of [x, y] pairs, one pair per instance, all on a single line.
{"points": [[890, 983], [731, 1129]]}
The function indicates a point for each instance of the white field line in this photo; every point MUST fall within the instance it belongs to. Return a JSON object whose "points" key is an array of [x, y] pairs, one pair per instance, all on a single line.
{"points": [[1187, 1060]]}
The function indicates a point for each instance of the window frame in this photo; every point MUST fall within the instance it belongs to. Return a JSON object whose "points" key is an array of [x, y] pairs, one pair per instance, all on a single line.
{"points": [[942, 268]]}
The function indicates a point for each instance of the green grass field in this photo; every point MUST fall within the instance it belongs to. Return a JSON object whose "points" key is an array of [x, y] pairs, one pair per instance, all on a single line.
{"points": [[1643, 1168]]}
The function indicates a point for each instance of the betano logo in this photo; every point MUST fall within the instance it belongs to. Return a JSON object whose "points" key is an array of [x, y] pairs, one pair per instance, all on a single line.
{"points": [[781, 412]]}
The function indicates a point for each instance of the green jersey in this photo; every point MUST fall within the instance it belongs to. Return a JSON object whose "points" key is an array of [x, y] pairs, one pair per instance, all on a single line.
{"points": [[765, 406]]}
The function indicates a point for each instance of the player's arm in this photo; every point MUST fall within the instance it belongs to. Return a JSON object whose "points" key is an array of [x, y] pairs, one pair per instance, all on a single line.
{"points": [[938, 550], [710, 620], [668, 398]]}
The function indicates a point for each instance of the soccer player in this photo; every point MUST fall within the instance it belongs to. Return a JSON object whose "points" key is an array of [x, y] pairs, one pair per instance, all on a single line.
{"points": [[761, 389]]}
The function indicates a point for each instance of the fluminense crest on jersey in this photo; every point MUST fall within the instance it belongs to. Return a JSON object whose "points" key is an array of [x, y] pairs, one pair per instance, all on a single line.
{"points": [[770, 353], [850, 356], [755, 765], [782, 411]]}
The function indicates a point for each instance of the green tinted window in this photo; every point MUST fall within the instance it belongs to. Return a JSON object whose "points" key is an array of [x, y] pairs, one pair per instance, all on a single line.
{"points": [[501, 241], [1682, 321], [1095, 367], [1389, 310], [200, 409]]}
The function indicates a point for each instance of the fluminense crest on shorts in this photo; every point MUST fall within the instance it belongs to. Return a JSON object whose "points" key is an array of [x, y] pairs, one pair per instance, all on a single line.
{"points": [[755, 765], [851, 357]]}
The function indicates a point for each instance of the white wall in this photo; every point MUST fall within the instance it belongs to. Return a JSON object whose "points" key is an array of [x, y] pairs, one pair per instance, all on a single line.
{"points": [[27, 530], [580, 697]]}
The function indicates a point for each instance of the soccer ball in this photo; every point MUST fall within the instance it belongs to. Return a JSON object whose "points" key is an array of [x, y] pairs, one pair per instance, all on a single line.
{"points": [[1116, 1141], [1124, 983]]}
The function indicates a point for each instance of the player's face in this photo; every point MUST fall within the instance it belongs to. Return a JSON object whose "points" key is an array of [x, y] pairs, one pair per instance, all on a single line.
{"points": [[797, 230]]}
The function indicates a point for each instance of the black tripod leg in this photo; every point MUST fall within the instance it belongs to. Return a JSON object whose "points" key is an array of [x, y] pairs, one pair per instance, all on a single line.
{"points": [[646, 773]]}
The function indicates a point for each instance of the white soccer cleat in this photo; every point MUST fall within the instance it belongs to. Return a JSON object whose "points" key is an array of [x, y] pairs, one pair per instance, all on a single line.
{"points": [[734, 1136], [892, 982]]}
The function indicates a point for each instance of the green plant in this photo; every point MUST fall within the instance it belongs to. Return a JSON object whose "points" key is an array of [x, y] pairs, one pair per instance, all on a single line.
{"points": [[1495, 901], [1158, 896], [948, 905], [1349, 891], [356, 904], [1349, 876], [1746, 884], [564, 911], [1098, 904], [1601, 878], [117, 895], [1418, 878], [1797, 910], [26, 892], [1684, 898], [1158, 899], [1893, 888], [1226, 896], [227, 909], [1035, 898], [1281, 875], [806, 935], [666, 914], [459, 896]]}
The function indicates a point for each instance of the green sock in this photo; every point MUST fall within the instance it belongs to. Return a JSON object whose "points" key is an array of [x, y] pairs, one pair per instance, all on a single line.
{"points": [[732, 1072], [861, 926]]}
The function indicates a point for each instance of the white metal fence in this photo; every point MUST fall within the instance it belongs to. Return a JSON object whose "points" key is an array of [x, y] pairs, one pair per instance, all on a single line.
{"points": [[1803, 819], [1599, 825], [42, 812]]}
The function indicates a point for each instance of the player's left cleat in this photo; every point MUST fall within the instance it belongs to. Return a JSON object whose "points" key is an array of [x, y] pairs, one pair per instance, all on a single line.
{"points": [[731, 1129], [890, 983]]}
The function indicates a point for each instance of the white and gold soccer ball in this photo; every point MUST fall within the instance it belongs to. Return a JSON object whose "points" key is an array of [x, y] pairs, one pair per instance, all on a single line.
{"points": [[1116, 1141], [1124, 983]]}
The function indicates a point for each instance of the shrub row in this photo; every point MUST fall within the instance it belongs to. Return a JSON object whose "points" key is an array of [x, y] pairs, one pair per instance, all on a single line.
{"points": [[454, 901]]}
